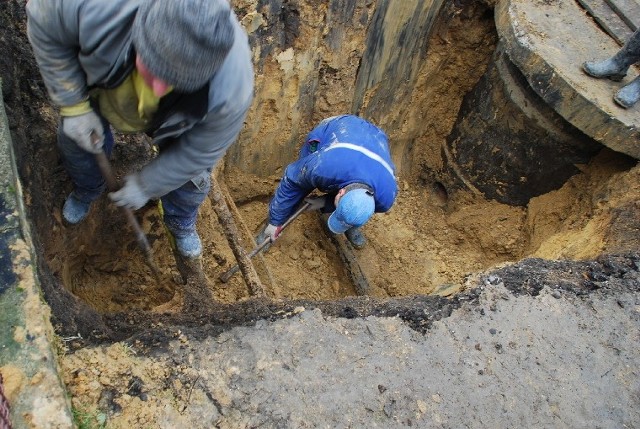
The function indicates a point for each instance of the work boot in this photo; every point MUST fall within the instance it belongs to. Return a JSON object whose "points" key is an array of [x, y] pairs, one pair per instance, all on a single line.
{"points": [[629, 94], [610, 68], [355, 237], [615, 68], [74, 210], [189, 245]]}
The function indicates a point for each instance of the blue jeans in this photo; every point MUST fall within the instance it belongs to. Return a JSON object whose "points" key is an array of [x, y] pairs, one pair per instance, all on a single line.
{"points": [[88, 183], [180, 205]]}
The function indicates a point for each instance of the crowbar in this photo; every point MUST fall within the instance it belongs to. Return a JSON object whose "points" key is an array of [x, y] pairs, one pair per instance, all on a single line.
{"points": [[112, 185], [224, 277]]}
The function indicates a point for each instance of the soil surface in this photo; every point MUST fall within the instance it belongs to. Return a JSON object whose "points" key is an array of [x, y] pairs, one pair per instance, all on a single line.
{"points": [[566, 357], [453, 331]]}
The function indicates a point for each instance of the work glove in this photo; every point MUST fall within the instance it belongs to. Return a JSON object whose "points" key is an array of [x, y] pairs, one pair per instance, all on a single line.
{"points": [[317, 203], [270, 232], [131, 195], [86, 130]]}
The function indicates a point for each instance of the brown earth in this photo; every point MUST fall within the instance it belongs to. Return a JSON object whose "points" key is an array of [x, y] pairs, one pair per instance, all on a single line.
{"points": [[99, 261], [434, 242]]}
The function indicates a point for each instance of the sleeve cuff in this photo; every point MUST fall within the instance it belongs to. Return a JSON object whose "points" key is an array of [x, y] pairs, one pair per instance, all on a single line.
{"points": [[77, 109]]}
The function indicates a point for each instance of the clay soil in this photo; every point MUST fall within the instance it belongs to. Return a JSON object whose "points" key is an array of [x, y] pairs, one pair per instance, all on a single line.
{"points": [[428, 243], [422, 260]]}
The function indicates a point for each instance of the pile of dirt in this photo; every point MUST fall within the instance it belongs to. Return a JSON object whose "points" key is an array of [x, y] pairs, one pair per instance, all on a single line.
{"points": [[430, 242], [489, 362], [423, 259]]}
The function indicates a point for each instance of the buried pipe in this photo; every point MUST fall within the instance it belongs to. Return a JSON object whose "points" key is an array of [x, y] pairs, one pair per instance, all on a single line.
{"points": [[348, 258], [508, 144]]}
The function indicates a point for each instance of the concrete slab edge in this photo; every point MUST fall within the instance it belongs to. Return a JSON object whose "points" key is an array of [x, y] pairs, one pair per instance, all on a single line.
{"points": [[559, 94], [28, 362]]}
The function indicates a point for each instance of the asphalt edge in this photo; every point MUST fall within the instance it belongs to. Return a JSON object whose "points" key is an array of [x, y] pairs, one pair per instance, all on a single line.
{"points": [[28, 360]]}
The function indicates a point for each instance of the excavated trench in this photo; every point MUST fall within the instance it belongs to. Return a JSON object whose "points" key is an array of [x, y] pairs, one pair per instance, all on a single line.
{"points": [[456, 216]]}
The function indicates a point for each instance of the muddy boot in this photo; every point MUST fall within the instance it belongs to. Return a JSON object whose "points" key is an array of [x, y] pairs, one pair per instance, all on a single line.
{"points": [[196, 289], [75, 210], [615, 68], [189, 245], [187, 251], [628, 94], [608, 68], [355, 237]]}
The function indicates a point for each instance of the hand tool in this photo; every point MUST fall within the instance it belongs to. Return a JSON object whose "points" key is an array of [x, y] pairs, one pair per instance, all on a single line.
{"points": [[112, 185], [224, 277]]}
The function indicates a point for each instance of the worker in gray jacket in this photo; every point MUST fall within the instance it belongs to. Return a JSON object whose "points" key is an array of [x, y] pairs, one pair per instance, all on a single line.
{"points": [[178, 70]]}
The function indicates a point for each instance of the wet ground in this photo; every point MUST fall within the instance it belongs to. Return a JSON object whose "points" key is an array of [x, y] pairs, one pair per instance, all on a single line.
{"points": [[453, 331], [556, 349]]}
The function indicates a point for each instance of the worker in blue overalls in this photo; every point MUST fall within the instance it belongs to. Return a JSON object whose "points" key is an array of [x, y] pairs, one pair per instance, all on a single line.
{"points": [[348, 159]]}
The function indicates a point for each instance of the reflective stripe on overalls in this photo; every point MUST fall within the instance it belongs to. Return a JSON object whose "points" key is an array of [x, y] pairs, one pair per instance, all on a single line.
{"points": [[363, 151]]}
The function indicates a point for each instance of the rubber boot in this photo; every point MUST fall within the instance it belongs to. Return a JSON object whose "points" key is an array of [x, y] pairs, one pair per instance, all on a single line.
{"points": [[355, 237], [629, 94], [189, 245], [616, 67], [74, 210]]}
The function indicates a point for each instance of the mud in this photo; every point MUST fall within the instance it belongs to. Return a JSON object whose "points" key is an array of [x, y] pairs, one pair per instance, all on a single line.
{"points": [[548, 351], [192, 350], [96, 269]]}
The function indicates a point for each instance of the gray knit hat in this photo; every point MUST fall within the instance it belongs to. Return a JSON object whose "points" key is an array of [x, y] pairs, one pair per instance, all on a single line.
{"points": [[183, 42]]}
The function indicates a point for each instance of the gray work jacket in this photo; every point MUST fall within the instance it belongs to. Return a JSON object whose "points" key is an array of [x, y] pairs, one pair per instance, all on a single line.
{"points": [[85, 44]]}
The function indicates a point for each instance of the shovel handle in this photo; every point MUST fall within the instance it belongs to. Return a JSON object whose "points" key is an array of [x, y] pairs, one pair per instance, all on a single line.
{"points": [[224, 277], [107, 173], [112, 185]]}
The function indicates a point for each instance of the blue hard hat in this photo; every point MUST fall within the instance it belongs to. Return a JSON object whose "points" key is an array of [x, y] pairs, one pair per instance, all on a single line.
{"points": [[354, 209]]}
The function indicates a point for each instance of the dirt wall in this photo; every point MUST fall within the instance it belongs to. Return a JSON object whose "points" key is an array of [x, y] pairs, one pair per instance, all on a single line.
{"points": [[385, 60], [430, 242], [432, 245]]}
